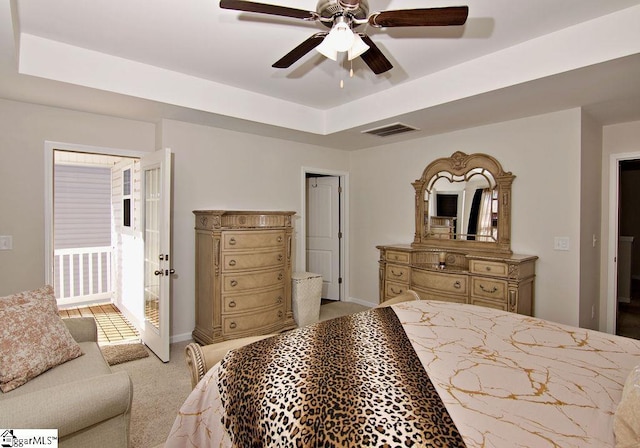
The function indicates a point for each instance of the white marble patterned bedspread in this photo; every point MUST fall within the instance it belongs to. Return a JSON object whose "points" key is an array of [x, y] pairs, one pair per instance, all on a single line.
{"points": [[514, 381], [507, 380]]}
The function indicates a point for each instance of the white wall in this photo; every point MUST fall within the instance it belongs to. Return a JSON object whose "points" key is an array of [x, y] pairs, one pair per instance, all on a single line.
{"points": [[589, 243], [215, 168], [24, 128], [219, 169], [618, 139], [544, 154]]}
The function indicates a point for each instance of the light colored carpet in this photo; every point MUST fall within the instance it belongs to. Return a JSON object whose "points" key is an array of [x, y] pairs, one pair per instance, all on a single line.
{"points": [[331, 310], [159, 389]]}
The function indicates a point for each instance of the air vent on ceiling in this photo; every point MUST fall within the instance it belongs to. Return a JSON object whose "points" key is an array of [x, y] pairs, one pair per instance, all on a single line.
{"points": [[390, 129]]}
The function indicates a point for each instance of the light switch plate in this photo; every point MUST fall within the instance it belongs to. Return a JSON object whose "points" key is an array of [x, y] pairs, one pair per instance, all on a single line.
{"points": [[561, 243], [6, 242]]}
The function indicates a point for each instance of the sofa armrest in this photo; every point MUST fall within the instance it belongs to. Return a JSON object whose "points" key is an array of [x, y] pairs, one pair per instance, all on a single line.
{"points": [[201, 358], [83, 329], [70, 407]]}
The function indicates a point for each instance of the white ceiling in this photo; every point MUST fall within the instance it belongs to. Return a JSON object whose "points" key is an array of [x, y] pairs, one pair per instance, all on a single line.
{"points": [[190, 60]]}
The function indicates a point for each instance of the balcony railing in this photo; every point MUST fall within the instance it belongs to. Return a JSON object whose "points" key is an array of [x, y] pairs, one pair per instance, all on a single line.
{"points": [[82, 275]]}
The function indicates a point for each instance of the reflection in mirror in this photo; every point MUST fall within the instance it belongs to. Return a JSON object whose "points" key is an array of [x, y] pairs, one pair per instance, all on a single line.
{"points": [[462, 207], [464, 201]]}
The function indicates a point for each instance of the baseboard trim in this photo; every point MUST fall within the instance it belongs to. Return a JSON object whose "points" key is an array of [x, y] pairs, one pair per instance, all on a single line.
{"points": [[361, 302], [180, 338]]}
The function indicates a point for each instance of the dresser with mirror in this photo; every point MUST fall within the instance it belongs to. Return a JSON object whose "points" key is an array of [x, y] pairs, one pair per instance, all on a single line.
{"points": [[461, 250]]}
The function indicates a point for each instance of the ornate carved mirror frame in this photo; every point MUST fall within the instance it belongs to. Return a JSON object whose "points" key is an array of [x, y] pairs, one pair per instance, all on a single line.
{"points": [[461, 166]]}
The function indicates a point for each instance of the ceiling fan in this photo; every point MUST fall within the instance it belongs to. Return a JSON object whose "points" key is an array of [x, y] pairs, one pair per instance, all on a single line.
{"points": [[342, 16]]}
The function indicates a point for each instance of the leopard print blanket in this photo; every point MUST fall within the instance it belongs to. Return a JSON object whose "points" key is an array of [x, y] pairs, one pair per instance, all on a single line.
{"points": [[354, 381]]}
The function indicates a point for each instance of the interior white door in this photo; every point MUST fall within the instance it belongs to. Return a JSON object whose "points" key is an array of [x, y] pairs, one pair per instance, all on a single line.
{"points": [[156, 233], [323, 232]]}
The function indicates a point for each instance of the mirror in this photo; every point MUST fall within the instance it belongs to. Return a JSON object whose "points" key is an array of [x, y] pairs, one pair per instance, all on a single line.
{"points": [[464, 200], [462, 207]]}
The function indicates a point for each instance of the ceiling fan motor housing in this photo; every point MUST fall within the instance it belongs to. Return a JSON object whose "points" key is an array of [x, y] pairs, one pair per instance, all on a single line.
{"points": [[328, 9]]}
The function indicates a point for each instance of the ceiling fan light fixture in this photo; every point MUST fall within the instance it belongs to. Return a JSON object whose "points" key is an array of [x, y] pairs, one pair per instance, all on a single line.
{"points": [[357, 48], [341, 37], [326, 49]]}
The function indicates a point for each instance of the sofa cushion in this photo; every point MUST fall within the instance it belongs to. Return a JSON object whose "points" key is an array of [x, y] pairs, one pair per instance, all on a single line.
{"points": [[33, 337], [90, 364]]}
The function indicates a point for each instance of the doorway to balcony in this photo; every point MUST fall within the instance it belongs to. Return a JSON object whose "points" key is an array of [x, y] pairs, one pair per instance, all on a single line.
{"points": [[90, 190], [82, 236]]}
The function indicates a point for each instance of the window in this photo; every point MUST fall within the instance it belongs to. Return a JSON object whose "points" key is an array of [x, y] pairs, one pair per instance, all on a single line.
{"points": [[127, 205]]}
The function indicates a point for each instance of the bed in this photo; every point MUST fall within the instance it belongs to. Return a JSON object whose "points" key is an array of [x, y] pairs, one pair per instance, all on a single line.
{"points": [[420, 373]]}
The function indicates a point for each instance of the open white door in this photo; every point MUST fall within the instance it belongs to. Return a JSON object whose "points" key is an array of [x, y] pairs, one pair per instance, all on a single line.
{"points": [[126, 240], [323, 232], [156, 232]]}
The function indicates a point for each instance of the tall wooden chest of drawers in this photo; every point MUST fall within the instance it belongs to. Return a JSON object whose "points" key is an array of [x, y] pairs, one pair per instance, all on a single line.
{"points": [[243, 274]]}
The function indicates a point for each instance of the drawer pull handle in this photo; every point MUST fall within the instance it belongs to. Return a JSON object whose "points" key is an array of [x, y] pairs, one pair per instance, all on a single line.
{"points": [[393, 290], [488, 268], [280, 314], [232, 304], [280, 257], [279, 239], [396, 274], [234, 283], [279, 300], [232, 262], [280, 276], [490, 291], [232, 325], [232, 241], [457, 284]]}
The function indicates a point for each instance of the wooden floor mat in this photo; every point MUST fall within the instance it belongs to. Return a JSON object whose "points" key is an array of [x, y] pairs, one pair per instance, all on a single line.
{"points": [[113, 327]]}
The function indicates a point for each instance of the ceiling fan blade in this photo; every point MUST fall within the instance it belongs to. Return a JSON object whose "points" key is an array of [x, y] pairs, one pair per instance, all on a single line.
{"points": [[374, 58], [302, 49], [454, 15], [263, 8]]}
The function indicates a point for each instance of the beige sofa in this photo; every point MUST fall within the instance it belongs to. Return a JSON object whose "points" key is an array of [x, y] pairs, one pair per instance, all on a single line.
{"points": [[201, 358], [88, 403]]}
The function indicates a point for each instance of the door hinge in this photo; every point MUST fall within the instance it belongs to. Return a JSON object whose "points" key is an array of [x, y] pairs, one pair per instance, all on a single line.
{"points": [[339, 235], [339, 280], [339, 190]]}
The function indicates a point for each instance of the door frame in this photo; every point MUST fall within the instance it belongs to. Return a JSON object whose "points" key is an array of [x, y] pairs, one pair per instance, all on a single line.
{"points": [[344, 224], [49, 148], [612, 254]]}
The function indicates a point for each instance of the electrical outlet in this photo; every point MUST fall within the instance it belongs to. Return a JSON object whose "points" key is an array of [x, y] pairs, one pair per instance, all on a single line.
{"points": [[561, 243], [6, 242]]}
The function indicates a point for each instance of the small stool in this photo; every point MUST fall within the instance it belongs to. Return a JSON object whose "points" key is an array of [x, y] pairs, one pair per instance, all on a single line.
{"points": [[306, 297]]}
